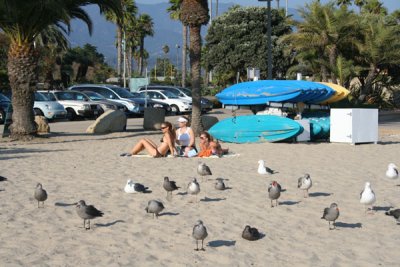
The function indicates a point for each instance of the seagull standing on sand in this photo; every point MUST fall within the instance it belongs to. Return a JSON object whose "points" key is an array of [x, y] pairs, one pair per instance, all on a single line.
{"points": [[199, 233], [193, 188], [395, 213], [367, 196], [250, 233], [220, 185], [155, 207], [262, 169], [40, 194], [304, 183], [87, 212], [132, 187], [274, 192], [203, 170], [331, 214], [169, 186], [392, 171]]}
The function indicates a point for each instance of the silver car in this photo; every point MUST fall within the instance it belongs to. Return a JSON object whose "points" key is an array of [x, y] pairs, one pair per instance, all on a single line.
{"points": [[50, 109], [104, 103]]}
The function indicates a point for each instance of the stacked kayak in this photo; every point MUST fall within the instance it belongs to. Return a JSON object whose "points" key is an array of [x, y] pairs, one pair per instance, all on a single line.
{"points": [[255, 129], [284, 91]]}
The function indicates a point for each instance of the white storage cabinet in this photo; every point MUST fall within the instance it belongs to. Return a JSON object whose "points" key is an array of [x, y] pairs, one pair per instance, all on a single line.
{"points": [[358, 125]]}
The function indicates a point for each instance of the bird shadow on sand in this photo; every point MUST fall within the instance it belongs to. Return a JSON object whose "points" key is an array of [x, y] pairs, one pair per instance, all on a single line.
{"points": [[147, 191], [381, 208], [227, 188], [169, 214], [182, 193], [109, 224], [2, 179], [319, 194], [62, 204], [221, 243], [2, 190], [348, 225], [207, 199], [289, 203]]}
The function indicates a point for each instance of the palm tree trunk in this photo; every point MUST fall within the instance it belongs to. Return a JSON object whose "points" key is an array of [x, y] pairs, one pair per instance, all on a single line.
{"points": [[129, 62], [367, 88], [195, 57], [22, 73], [141, 51], [332, 63], [184, 56], [119, 50]]}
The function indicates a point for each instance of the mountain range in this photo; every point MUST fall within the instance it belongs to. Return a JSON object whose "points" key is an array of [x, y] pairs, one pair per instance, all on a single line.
{"points": [[166, 32]]}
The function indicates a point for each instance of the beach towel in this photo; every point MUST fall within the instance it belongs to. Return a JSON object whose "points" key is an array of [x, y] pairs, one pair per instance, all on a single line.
{"points": [[229, 155]]}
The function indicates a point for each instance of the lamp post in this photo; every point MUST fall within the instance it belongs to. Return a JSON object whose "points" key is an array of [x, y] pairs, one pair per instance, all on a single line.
{"points": [[269, 53]]}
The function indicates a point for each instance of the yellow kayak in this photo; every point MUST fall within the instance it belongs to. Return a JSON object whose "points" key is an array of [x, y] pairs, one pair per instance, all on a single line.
{"points": [[340, 94]]}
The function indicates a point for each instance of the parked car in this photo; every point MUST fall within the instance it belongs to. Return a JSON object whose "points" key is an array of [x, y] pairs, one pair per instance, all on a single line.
{"points": [[75, 103], [177, 104], [50, 109], [134, 103], [4, 103], [184, 93], [104, 103]]}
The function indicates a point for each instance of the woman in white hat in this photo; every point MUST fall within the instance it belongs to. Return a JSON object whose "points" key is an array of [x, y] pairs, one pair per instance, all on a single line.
{"points": [[185, 137]]}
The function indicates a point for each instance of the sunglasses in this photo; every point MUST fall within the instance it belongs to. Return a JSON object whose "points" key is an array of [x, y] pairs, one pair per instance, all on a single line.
{"points": [[164, 127], [202, 137]]}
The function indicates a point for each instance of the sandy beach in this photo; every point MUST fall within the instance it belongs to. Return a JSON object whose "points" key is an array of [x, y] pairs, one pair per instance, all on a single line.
{"points": [[72, 166]]}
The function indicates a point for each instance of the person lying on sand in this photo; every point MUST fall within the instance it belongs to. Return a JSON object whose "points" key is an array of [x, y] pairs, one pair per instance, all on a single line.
{"points": [[167, 143]]}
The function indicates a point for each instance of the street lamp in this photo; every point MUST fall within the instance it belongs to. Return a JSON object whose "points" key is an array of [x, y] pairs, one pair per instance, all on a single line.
{"points": [[269, 60]]}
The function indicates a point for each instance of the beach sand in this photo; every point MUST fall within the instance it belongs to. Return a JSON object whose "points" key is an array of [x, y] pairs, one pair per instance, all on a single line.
{"points": [[73, 166]]}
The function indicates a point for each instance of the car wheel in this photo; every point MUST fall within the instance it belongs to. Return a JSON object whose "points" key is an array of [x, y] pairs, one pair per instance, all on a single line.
{"points": [[38, 112], [2, 116], [71, 115], [174, 109]]}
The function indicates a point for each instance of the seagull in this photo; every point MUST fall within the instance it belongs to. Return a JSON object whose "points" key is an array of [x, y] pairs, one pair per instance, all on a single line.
{"points": [[274, 192], [250, 233], [304, 183], [367, 196], [395, 213], [199, 233], [169, 186], [203, 170], [87, 212], [392, 171], [193, 187], [132, 187], [331, 214], [155, 207], [262, 169], [40, 194], [220, 185]]}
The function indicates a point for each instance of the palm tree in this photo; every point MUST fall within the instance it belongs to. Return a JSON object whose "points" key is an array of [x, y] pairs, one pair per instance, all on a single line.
{"points": [[344, 3], [22, 21], [175, 12], [144, 28], [359, 3], [129, 10], [194, 13]]}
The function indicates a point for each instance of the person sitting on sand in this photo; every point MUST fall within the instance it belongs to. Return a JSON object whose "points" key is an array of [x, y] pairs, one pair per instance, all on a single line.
{"points": [[209, 146], [167, 143], [185, 137]]}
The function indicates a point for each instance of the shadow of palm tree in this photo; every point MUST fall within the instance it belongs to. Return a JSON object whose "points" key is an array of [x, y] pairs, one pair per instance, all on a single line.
{"points": [[348, 225], [319, 194], [109, 224], [207, 199], [221, 243]]}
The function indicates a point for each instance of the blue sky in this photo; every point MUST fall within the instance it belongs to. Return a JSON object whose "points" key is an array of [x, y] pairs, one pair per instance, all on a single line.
{"points": [[390, 4]]}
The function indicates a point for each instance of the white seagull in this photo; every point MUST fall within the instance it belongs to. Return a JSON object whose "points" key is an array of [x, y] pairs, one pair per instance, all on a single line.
{"points": [[132, 187], [367, 196], [392, 171], [304, 183], [262, 169]]}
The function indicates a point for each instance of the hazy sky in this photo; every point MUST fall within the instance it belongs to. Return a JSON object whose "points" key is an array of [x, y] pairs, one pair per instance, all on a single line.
{"points": [[390, 4]]}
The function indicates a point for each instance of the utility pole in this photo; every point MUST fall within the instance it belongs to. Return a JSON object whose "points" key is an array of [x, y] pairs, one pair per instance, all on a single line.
{"points": [[269, 43]]}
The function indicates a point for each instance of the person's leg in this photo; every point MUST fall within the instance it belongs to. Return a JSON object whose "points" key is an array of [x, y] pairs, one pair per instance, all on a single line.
{"points": [[144, 144]]}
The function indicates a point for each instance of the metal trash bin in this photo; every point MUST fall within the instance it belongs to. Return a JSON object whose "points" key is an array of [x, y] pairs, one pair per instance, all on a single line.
{"points": [[153, 117]]}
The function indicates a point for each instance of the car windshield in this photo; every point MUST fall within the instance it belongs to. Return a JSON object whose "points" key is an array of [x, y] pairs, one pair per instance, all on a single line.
{"points": [[70, 96], [122, 92], [143, 95], [187, 91], [94, 96], [40, 97], [4, 98], [170, 94], [50, 96]]}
